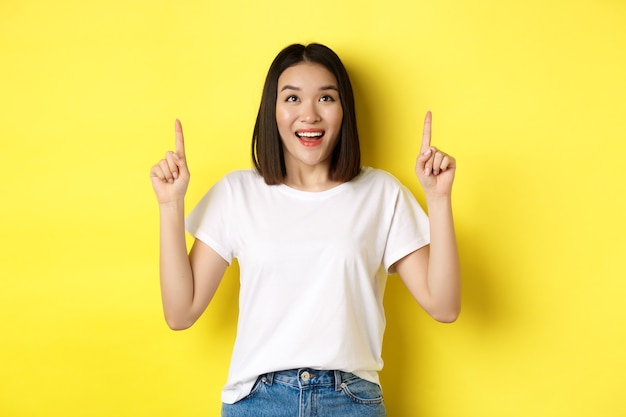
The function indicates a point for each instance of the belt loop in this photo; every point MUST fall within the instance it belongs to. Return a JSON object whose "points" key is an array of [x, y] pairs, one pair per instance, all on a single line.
{"points": [[338, 380], [268, 378]]}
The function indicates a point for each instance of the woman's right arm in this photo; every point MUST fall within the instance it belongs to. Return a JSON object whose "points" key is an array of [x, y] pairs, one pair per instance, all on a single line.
{"points": [[188, 282]]}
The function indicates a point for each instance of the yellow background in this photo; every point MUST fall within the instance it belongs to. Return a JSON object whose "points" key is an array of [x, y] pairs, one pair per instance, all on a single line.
{"points": [[529, 96]]}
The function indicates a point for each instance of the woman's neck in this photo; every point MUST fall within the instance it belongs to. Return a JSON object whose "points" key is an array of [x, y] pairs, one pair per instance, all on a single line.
{"points": [[314, 179]]}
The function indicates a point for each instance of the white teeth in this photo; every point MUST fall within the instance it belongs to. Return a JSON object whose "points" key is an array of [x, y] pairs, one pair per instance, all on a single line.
{"points": [[310, 134]]}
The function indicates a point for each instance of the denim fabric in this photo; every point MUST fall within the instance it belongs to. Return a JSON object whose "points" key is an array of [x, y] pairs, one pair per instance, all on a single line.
{"points": [[309, 393]]}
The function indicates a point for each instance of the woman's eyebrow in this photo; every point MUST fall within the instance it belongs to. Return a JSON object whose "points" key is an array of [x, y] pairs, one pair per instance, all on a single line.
{"points": [[290, 87], [322, 88]]}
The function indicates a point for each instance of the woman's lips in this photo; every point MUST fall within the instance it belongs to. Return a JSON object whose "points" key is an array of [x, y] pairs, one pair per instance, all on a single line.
{"points": [[310, 137]]}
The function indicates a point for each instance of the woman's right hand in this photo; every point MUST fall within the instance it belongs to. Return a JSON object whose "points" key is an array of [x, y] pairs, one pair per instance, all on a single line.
{"points": [[170, 176]]}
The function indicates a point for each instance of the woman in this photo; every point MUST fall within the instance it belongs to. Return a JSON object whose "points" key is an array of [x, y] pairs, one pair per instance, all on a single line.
{"points": [[315, 235]]}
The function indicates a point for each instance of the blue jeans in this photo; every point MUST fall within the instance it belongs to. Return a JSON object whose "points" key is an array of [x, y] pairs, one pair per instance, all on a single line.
{"points": [[309, 393]]}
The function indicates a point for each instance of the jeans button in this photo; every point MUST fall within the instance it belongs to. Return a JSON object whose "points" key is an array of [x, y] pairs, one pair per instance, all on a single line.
{"points": [[305, 376]]}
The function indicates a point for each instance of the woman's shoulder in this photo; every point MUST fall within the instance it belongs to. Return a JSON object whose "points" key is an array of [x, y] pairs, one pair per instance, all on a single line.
{"points": [[377, 175], [236, 181], [243, 177]]}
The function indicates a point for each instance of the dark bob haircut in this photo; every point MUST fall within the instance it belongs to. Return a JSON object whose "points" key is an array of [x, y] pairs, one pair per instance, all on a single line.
{"points": [[267, 147]]}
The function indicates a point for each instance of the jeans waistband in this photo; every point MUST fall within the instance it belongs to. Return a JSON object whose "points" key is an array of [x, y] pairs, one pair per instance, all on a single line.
{"points": [[307, 377]]}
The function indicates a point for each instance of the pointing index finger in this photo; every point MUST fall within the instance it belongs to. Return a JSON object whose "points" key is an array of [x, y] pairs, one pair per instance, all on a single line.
{"points": [[427, 132], [180, 140]]}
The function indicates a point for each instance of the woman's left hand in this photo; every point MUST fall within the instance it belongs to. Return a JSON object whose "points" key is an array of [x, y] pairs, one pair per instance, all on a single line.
{"points": [[434, 168]]}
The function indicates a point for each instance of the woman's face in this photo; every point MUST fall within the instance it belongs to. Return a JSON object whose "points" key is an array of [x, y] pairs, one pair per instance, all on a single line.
{"points": [[308, 115]]}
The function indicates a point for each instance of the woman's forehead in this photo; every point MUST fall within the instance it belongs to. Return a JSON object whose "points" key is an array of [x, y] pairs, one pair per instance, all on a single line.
{"points": [[306, 74]]}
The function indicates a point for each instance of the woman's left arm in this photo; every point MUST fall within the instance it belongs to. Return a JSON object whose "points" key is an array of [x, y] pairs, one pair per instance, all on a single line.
{"points": [[432, 274]]}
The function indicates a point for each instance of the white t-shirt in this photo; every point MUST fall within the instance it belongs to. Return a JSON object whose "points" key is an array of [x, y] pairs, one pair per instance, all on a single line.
{"points": [[313, 269]]}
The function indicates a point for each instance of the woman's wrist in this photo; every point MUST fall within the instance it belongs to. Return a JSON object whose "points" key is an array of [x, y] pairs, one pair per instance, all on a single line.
{"points": [[438, 201], [176, 207]]}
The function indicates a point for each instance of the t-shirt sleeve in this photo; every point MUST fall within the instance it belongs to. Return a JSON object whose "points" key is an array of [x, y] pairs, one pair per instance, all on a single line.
{"points": [[409, 229], [210, 222]]}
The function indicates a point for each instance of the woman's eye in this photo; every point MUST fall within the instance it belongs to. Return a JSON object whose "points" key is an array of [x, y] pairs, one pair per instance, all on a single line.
{"points": [[327, 98], [291, 98]]}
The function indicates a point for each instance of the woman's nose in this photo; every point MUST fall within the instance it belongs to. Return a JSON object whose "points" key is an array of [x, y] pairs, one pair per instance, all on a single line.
{"points": [[310, 113]]}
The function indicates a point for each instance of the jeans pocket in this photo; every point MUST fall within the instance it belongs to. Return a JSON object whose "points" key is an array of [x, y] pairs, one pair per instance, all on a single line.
{"points": [[260, 383], [362, 391]]}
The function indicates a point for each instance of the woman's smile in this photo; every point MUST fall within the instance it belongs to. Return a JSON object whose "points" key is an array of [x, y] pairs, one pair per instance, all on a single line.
{"points": [[310, 137]]}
